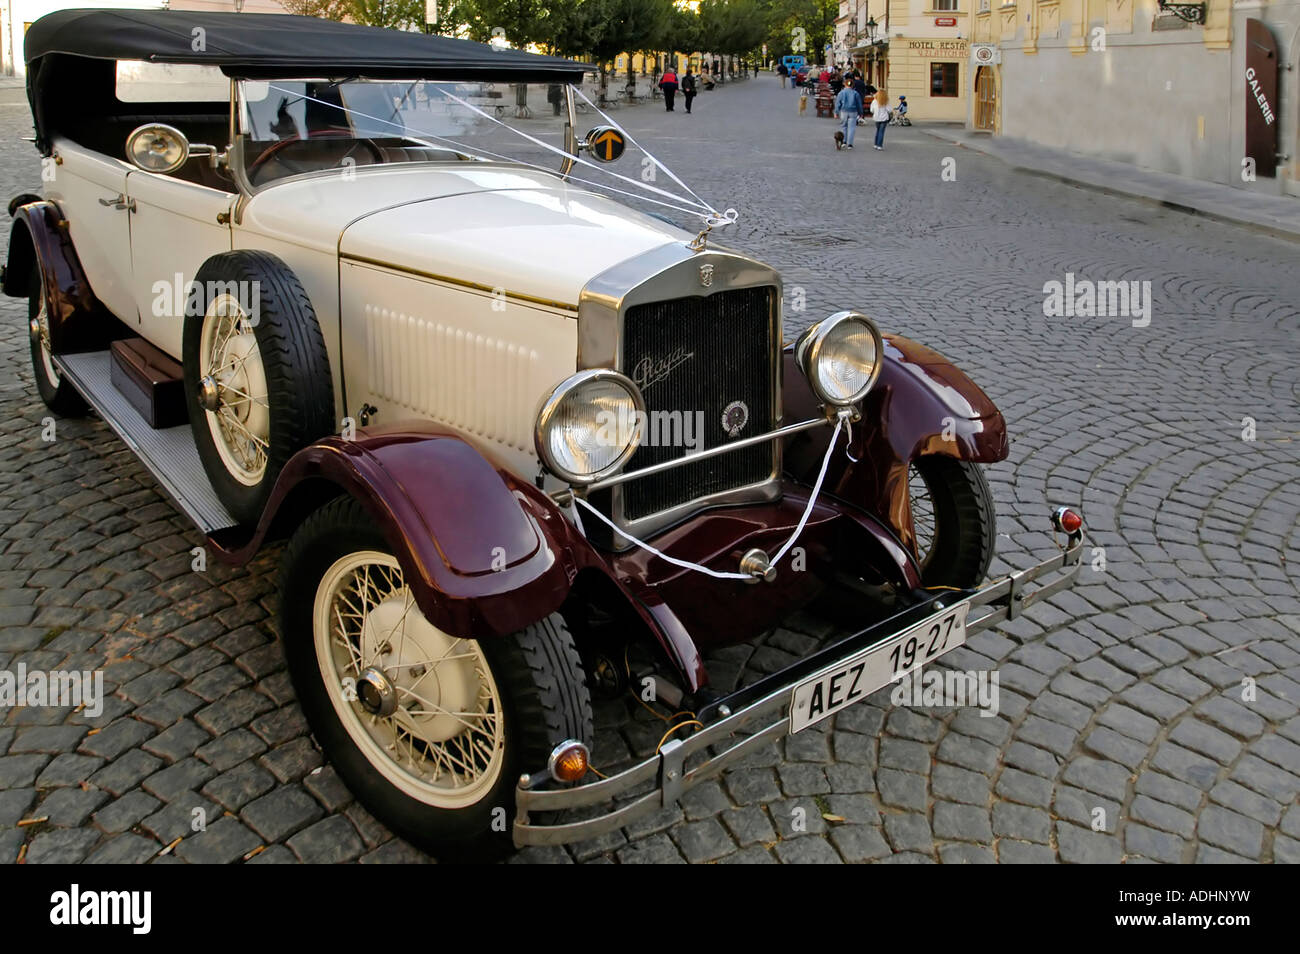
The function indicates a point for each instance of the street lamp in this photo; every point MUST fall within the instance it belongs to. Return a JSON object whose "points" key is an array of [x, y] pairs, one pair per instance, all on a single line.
{"points": [[871, 29]]}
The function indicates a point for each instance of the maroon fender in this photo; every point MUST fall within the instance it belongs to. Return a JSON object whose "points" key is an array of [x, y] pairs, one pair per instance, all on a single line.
{"points": [[77, 320], [475, 556], [484, 553], [922, 404]]}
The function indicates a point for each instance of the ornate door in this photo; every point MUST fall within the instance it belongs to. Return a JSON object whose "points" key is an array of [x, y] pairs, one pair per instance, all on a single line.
{"points": [[986, 103]]}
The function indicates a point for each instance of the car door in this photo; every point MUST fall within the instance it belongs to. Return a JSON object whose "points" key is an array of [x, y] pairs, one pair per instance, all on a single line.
{"points": [[90, 190], [176, 226]]}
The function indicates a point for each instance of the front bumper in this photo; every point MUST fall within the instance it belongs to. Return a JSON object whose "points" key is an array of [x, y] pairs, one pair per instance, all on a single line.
{"points": [[761, 712]]}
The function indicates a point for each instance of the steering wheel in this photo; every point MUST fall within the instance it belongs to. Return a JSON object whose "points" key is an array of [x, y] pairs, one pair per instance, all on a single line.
{"points": [[273, 152]]}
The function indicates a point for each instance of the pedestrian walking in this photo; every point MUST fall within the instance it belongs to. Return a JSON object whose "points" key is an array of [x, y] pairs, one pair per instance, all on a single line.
{"points": [[688, 88], [783, 73], [555, 96], [882, 118], [668, 83], [848, 107]]}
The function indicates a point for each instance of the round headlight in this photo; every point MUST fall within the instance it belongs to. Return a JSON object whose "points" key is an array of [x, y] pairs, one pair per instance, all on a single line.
{"points": [[589, 425], [840, 356]]}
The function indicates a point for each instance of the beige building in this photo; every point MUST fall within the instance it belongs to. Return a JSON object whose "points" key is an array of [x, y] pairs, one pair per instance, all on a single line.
{"points": [[916, 48], [1132, 81], [17, 15]]}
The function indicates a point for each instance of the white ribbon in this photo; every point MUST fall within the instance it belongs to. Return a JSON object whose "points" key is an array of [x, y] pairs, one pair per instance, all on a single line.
{"points": [[718, 574], [710, 216]]}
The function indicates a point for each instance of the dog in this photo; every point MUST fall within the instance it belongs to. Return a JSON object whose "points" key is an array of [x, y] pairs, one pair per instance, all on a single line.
{"points": [[839, 138], [803, 104]]}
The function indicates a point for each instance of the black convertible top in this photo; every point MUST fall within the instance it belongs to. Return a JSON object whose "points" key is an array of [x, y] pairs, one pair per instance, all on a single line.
{"points": [[71, 60], [280, 46]]}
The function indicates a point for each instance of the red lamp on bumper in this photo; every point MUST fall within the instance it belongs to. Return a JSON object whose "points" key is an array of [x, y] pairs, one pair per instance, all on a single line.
{"points": [[1067, 520]]}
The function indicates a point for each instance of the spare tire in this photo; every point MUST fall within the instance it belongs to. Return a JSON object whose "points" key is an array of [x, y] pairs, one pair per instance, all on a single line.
{"points": [[257, 375]]}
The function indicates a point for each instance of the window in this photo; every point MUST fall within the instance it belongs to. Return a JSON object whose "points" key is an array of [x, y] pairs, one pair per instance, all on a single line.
{"points": [[142, 82], [945, 5], [943, 79]]}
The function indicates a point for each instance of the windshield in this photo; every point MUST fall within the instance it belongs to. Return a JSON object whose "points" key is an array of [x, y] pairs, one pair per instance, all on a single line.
{"points": [[291, 127]]}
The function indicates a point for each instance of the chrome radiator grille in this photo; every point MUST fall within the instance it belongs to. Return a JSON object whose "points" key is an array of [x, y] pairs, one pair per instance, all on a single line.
{"points": [[699, 361]]}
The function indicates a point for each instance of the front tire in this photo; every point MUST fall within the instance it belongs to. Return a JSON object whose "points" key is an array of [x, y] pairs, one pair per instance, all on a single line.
{"points": [[58, 394], [431, 732], [257, 376], [954, 519]]}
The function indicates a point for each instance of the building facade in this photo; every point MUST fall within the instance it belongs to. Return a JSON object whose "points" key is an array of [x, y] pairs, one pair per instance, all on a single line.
{"points": [[17, 15], [1212, 94], [915, 48]]}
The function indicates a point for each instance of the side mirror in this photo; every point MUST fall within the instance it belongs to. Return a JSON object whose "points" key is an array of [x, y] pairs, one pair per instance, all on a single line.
{"points": [[604, 143], [157, 148]]}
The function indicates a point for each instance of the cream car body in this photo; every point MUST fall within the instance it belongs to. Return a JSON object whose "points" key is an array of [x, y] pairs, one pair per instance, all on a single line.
{"points": [[479, 266]]}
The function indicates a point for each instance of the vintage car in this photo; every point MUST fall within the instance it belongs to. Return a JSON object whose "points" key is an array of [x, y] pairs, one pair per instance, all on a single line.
{"points": [[526, 443]]}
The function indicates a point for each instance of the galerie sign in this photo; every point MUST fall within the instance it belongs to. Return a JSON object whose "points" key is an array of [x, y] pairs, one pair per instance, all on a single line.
{"points": [[1261, 98]]}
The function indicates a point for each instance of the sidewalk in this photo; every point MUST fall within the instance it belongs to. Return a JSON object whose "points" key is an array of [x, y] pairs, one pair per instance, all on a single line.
{"points": [[1278, 215]]}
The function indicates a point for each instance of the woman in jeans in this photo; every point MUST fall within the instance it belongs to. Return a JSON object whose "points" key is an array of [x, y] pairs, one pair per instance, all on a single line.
{"points": [[881, 117]]}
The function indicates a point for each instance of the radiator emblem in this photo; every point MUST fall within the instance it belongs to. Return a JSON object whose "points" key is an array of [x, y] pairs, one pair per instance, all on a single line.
{"points": [[734, 418], [650, 371], [706, 275]]}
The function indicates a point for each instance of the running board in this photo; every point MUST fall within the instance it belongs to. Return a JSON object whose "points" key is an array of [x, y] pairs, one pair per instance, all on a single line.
{"points": [[169, 453]]}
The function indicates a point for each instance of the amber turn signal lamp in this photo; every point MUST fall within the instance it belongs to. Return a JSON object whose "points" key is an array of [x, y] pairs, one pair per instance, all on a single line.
{"points": [[1067, 520], [569, 761]]}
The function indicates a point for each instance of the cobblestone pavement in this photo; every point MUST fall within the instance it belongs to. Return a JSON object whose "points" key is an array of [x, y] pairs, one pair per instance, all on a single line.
{"points": [[1121, 701]]}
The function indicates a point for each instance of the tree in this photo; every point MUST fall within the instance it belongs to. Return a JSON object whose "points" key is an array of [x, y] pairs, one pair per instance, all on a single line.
{"points": [[604, 29], [683, 32], [520, 22], [324, 9], [800, 26], [395, 14]]}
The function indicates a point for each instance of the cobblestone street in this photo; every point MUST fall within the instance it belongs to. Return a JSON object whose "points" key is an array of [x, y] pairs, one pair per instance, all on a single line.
{"points": [[1151, 713]]}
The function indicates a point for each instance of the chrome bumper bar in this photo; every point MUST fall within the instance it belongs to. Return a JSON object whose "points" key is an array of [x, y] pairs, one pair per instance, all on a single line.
{"points": [[727, 448], [761, 710]]}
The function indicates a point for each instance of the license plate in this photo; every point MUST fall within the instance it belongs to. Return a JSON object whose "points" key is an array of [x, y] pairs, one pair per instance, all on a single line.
{"points": [[860, 675]]}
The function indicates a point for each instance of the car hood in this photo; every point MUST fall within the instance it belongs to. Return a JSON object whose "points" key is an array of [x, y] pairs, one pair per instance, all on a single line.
{"points": [[498, 227]]}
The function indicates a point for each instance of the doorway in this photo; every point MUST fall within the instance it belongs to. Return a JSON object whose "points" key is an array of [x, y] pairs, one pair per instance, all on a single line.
{"points": [[986, 99]]}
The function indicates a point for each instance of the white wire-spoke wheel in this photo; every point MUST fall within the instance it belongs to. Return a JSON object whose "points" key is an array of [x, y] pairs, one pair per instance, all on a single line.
{"points": [[59, 395], [232, 389], [953, 519], [429, 729], [257, 376], [422, 704]]}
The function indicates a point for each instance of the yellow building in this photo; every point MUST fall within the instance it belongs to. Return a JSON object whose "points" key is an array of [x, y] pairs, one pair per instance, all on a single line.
{"points": [[1202, 90], [915, 48]]}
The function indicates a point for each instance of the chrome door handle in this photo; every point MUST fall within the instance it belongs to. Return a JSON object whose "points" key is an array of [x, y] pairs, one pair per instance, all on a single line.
{"points": [[120, 202]]}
